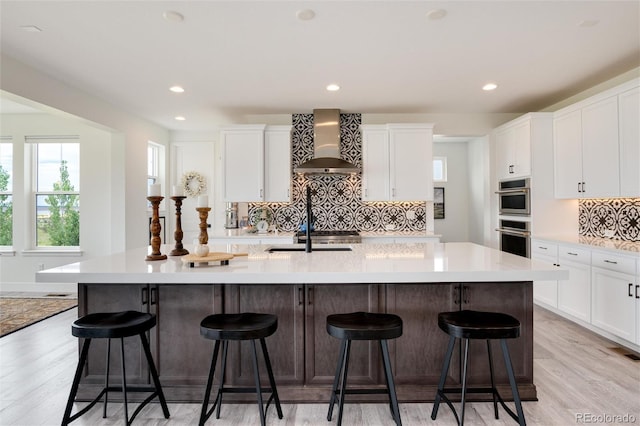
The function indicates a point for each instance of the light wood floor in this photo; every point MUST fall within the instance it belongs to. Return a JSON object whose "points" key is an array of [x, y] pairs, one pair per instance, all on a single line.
{"points": [[576, 372]]}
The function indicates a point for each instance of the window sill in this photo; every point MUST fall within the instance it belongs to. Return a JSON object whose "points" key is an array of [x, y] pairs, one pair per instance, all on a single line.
{"points": [[53, 252], [7, 252]]}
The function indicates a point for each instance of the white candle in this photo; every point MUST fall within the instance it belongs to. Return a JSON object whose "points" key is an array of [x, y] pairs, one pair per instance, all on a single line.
{"points": [[176, 191], [203, 201], [154, 190]]}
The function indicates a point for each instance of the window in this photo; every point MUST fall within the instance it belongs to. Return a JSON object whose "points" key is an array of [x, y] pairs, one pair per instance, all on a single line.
{"points": [[57, 191], [439, 169], [6, 192], [153, 163]]}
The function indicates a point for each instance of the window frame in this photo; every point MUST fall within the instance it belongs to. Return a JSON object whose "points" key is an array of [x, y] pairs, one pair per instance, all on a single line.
{"points": [[8, 140], [443, 160]]}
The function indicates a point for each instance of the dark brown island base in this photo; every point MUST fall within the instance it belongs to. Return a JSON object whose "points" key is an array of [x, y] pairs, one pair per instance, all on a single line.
{"points": [[302, 353]]}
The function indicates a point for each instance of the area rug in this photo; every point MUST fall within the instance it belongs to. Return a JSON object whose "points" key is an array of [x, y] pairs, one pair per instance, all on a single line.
{"points": [[18, 313]]}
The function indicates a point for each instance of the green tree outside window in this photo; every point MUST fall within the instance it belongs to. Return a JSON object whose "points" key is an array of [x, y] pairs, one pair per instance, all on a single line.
{"points": [[6, 210], [63, 224]]}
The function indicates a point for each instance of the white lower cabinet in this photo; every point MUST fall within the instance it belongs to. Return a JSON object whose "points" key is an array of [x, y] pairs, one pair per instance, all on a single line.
{"points": [[545, 292], [574, 294], [614, 305]]}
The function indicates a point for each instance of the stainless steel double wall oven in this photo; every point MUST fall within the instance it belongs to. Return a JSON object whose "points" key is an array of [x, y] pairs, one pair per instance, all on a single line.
{"points": [[514, 197]]}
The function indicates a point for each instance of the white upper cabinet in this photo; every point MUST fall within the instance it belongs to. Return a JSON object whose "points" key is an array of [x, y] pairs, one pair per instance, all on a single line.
{"points": [[256, 162], [597, 146], [397, 162], [513, 150], [629, 121]]}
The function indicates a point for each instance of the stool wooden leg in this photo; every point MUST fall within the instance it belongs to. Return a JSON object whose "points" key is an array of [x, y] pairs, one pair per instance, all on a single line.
{"points": [[106, 381], [272, 381], [443, 377], [464, 380], [154, 375], [76, 382], [343, 384], [336, 380], [223, 369], [205, 404], [512, 381], [493, 383], [390, 385], [256, 374], [124, 384]]}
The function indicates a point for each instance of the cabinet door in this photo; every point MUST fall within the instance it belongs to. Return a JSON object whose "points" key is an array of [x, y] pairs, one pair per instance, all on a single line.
{"points": [[545, 292], [419, 352], [520, 142], [504, 155], [285, 346], [183, 356], [277, 160], [375, 163], [574, 294], [629, 122], [243, 164], [600, 156], [114, 298], [567, 149], [322, 350], [411, 163], [613, 303], [515, 299]]}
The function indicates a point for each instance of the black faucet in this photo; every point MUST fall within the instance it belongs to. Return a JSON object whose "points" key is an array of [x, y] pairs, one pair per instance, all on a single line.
{"points": [[307, 243]]}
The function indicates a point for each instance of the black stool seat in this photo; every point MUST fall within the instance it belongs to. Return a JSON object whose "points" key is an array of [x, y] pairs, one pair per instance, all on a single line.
{"points": [[363, 326], [479, 325], [468, 325], [115, 325], [112, 325], [243, 326]]}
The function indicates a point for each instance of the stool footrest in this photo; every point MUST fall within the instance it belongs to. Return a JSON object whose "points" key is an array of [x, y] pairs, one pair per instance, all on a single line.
{"points": [[493, 391], [97, 399]]}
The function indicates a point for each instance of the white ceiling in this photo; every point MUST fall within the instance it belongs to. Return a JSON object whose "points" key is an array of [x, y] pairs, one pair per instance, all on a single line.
{"points": [[255, 57]]}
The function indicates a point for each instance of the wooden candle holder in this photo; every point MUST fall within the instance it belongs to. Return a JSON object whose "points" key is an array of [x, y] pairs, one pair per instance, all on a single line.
{"points": [[179, 249], [155, 229], [203, 212]]}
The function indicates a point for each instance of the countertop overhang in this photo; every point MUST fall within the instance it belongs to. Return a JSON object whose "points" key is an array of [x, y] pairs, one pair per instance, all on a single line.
{"points": [[366, 263]]}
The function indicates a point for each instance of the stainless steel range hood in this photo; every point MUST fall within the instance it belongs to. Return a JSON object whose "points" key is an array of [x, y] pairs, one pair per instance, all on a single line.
{"points": [[326, 146]]}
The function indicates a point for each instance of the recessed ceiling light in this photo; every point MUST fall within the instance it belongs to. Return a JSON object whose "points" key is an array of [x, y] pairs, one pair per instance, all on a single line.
{"points": [[489, 87], [30, 29], [333, 87], [588, 23], [179, 118], [177, 89], [305, 14], [435, 14], [173, 16]]}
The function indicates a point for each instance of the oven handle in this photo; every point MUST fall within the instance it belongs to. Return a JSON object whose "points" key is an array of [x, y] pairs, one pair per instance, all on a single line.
{"points": [[512, 232], [513, 191]]}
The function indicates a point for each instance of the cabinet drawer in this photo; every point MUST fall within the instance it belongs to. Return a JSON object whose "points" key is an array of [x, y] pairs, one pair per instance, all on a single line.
{"points": [[626, 265], [574, 254], [542, 247]]}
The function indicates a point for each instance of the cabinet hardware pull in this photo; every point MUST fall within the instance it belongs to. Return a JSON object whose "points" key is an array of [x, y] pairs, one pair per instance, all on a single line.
{"points": [[456, 296], [572, 254], [465, 294], [299, 295], [610, 261], [579, 190], [154, 296], [542, 248], [309, 293], [261, 193], [637, 297], [630, 285], [393, 192], [145, 295]]}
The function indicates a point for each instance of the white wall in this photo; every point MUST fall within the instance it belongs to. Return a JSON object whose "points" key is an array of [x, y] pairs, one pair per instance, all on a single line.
{"points": [[479, 191], [96, 222], [455, 225]]}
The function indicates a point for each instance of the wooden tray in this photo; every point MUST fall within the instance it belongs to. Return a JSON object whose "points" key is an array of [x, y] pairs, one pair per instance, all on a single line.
{"points": [[214, 256]]}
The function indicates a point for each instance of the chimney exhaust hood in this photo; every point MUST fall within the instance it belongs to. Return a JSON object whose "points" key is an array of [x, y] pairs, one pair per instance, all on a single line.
{"points": [[326, 146]]}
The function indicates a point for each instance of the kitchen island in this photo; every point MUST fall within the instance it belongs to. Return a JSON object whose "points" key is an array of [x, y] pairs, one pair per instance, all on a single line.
{"points": [[414, 281]]}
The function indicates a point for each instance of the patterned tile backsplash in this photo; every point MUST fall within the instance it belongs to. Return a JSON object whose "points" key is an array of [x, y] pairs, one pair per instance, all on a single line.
{"points": [[336, 199], [620, 215]]}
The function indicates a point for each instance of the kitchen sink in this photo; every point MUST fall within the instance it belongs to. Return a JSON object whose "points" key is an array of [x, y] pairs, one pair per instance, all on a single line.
{"points": [[301, 248]]}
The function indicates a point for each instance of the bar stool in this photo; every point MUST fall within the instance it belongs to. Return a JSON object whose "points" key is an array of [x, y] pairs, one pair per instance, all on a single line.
{"points": [[114, 325], [363, 326], [243, 326], [478, 325]]}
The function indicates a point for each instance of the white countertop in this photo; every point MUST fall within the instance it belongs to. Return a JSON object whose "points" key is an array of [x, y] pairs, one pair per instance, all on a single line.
{"points": [[367, 263], [631, 248]]}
